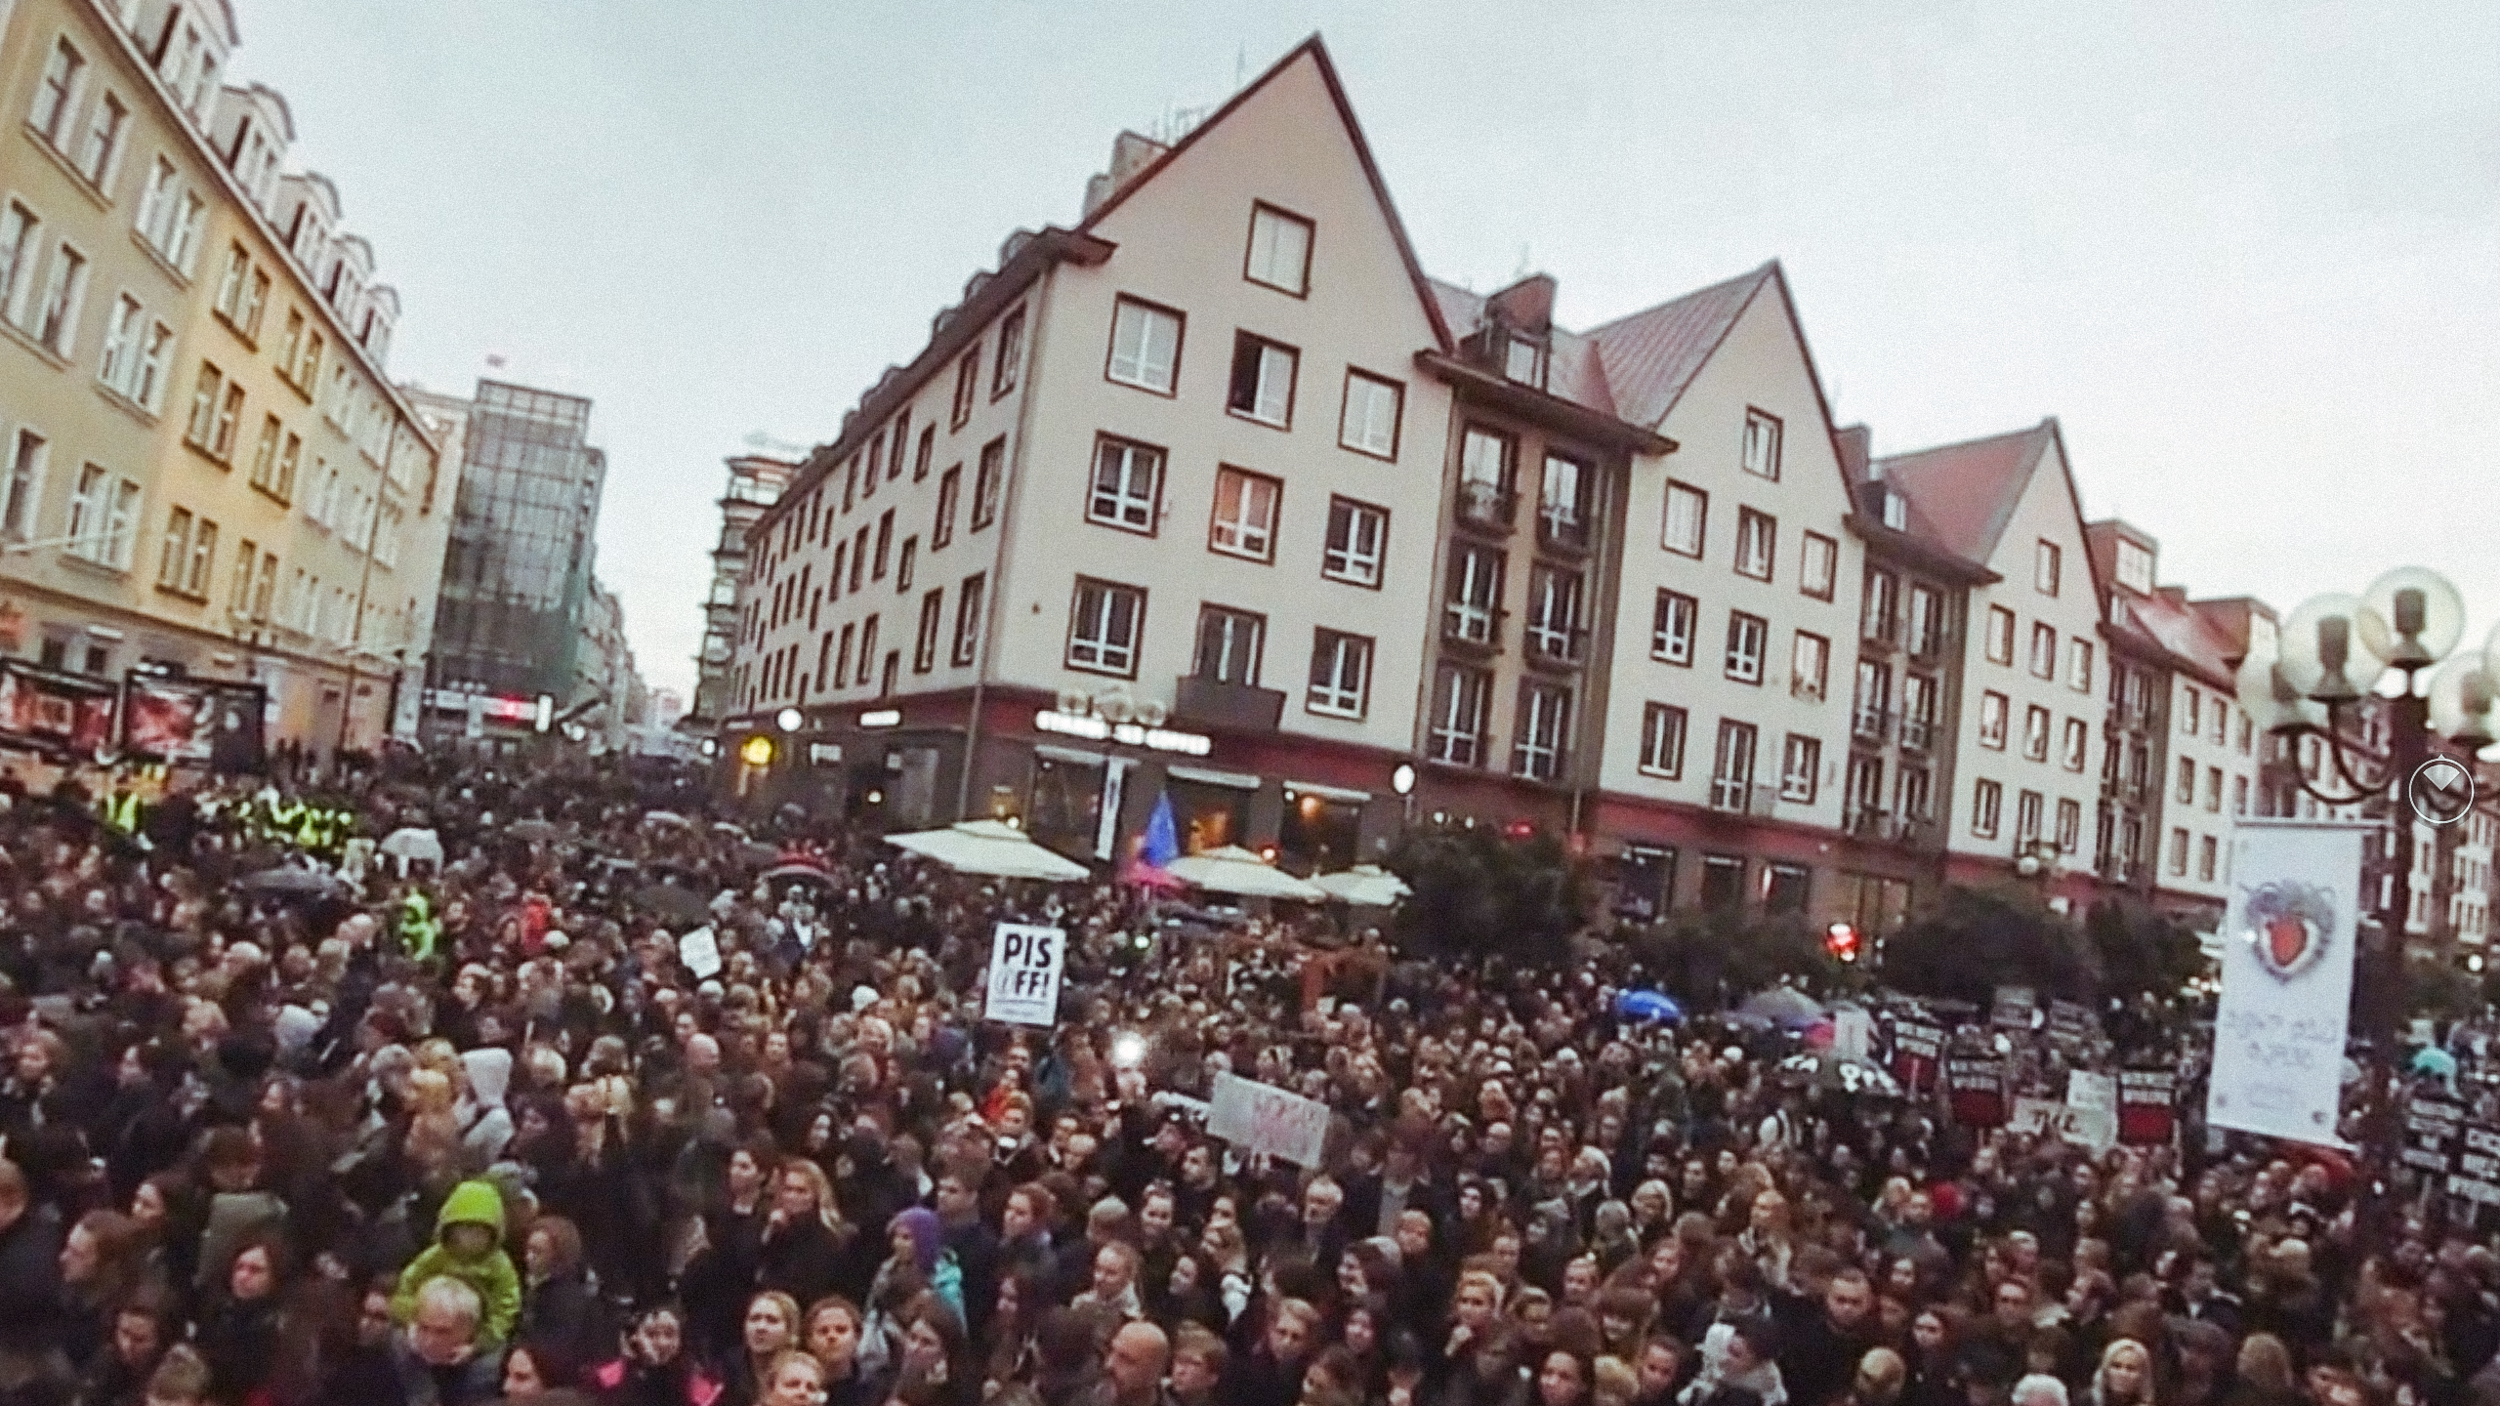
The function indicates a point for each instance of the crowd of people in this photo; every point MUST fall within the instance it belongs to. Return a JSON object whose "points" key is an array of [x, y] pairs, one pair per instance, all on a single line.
{"points": [[477, 1131]]}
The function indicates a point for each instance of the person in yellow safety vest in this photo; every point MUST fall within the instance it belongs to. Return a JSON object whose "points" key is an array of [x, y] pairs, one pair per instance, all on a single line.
{"points": [[280, 818], [119, 808], [419, 929]]}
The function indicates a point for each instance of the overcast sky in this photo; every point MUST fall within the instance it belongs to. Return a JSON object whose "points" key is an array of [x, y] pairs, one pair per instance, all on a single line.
{"points": [[2249, 254]]}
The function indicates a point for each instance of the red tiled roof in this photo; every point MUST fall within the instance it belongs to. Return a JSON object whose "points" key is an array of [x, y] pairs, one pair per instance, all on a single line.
{"points": [[2178, 629], [1651, 356], [1574, 371], [1967, 492]]}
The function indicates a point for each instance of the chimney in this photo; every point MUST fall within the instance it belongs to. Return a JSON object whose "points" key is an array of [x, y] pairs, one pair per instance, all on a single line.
{"points": [[1130, 154]]}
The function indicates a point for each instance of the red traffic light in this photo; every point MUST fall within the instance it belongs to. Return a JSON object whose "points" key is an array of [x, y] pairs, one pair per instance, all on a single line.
{"points": [[1841, 940]]}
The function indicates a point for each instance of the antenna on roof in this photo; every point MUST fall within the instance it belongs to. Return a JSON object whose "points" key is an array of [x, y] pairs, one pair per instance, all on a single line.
{"points": [[1523, 269]]}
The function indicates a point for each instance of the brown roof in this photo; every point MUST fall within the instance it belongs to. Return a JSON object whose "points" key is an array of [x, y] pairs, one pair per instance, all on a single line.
{"points": [[1967, 491], [1574, 370], [1651, 356], [2178, 629]]}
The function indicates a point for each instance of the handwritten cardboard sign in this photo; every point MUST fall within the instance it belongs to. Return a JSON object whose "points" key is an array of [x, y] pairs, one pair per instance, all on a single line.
{"points": [[1264, 1118]]}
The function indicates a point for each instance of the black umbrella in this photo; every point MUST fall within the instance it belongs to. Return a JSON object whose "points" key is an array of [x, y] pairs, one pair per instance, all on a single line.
{"points": [[798, 873], [290, 882], [673, 903], [532, 830]]}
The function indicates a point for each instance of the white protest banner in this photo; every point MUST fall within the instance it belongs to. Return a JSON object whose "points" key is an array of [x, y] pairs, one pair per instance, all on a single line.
{"points": [[1264, 1118], [699, 953], [2088, 1090], [1025, 965], [2094, 1128], [2287, 948], [2013, 1007]]}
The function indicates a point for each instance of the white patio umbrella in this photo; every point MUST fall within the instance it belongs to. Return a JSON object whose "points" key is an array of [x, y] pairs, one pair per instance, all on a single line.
{"points": [[992, 848], [1364, 885], [1232, 869]]}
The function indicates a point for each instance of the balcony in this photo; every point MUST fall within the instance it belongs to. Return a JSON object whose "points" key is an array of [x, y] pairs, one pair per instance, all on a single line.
{"points": [[1917, 734], [1487, 508], [1926, 646], [1881, 635], [1742, 795], [1234, 706], [1564, 532], [1556, 647], [1871, 823], [1870, 725], [1473, 628]]}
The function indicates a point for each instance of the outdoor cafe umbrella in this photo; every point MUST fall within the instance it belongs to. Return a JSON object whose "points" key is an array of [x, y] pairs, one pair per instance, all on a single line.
{"points": [[1784, 1006], [290, 881], [991, 848], [532, 830], [796, 873], [1364, 885], [1232, 869]]}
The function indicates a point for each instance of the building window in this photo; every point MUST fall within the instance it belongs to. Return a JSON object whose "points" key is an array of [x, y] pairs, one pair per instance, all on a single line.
{"points": [[924, 643], [1918, 711], [103, 518], [2186, 794], [1688, 513], [2178, 852], [967, 388], [967, 621], [2239, 795], [103, 141], [1926, 621], [2213, 789], [2192, 715], [1472, 610], [991, 477], [55, 92], [2069, 825], [2207, 853], [1801, 768], [2027, 810], [1373, 409], [1245, 514], [1128, 483], [20, 240], [2043, 651], [904, 566], [1671, 628], [1341, 674], [1808, 664], [1757, 538], [1987, 807], [1870, 707], [1562, 516], [885, 545], [206, 392], [2078, 741], [1554, 631], [64, 290], [1229, 644], [1280, 250], [1105, 625], [2047, 563], [1524, 360], [1662, 740], [1819, 568], [2000, 635], [1010, 363], [1762, 444], [1544, 720], [1263, 377], [2036, 733], [2079, 665], [1461, 704], [1747, 637], [174, 559], [28, 452], [1917, 786], [950, 494], [1145, 346], [1358, 541], [2135, 568], [1992, 716], [1485, 476], [1878, 617], [1731, 768], [926, 452]]}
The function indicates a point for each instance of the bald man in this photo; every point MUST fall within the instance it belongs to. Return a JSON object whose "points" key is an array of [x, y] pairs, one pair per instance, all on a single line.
{"points": [[1133, 1367]]}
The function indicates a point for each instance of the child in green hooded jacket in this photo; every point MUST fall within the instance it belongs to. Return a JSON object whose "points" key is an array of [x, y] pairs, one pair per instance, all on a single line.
{"points": [[468, 1246]]}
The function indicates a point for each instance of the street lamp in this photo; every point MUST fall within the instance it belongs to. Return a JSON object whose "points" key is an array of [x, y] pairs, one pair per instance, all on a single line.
{"points": [[2331, 654]]}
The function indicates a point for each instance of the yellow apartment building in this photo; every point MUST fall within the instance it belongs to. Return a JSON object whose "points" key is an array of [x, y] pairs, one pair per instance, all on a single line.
{"points": [[204, 467]]}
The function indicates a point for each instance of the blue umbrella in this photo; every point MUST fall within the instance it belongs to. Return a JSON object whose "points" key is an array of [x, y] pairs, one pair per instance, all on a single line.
{"points": [[1648, 1005]]}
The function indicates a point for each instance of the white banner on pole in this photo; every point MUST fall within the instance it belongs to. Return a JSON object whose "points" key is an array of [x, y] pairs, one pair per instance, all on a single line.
{"points": [[699, 953], [2287, 951], [1264, 1118], [1025, 965]]}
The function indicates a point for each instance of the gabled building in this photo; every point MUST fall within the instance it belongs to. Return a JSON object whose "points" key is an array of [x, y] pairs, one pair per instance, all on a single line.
{"points": [[2032, 665]]}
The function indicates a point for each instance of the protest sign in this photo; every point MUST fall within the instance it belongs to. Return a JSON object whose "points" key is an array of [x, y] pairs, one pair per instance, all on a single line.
{"points": [[2287, 946], [2147, 1106], [1264, 1118], [2013, 1008], [2094, 1128], [1977, 1089], [699, 953], [1917, 1045], [2070, 1026], [1026, 963], [2477, 1177], [2433, 1126]]}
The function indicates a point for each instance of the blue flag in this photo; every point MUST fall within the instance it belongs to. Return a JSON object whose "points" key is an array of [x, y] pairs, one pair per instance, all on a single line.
{"points": [[1162, 844]]}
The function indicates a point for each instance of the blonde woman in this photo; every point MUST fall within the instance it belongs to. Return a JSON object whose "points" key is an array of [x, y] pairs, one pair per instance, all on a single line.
{"points": [[2125, 1377], [803, 1241]]}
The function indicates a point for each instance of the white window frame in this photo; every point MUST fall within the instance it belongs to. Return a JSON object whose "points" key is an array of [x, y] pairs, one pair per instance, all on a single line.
{"points": [[2079, 661], [1283, 264], [1146, 341], [2135, 567], [58, 94], [1664, 730], [1761, 449], [1123, 502], [2036, 739], [120, 355], [1462, 708], [1673, 621], [1809, 666], [1278, 371], [1987, 807], [1543, 733], [1374, 409], [1556, 596], [21, 490], [173, 557], [1359, 555], [1732, 765], [1748, 642], [1994, 719], [1801, 768], [2048, 567], [2000, 640], [1095, 645], [2075, 748], [1472, 604], [1818, 566], [21, 245], [2043, 650], [156, 356], [1236, 531], [1340, 681], [1757, 544], [1686, 529], [100, 146]]}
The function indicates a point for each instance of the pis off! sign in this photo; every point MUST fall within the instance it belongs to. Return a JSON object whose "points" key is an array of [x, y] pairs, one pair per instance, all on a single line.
{"points": [[1026, 962]]}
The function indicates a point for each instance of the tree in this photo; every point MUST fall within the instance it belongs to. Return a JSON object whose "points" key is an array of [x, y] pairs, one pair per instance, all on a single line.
{"points": [[2139, 952], [1711, 958], [1478, 892], [1975, 940]]}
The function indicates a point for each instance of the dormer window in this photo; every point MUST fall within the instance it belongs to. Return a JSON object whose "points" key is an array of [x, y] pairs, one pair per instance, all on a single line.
{"points": [[1896, 511], [2135, 568], [1523, 360]]}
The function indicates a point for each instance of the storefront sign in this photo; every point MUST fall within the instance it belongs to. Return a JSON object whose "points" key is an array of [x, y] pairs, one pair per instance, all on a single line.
{"points": [[51, 708], [882, 717], [1153, 739]]}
